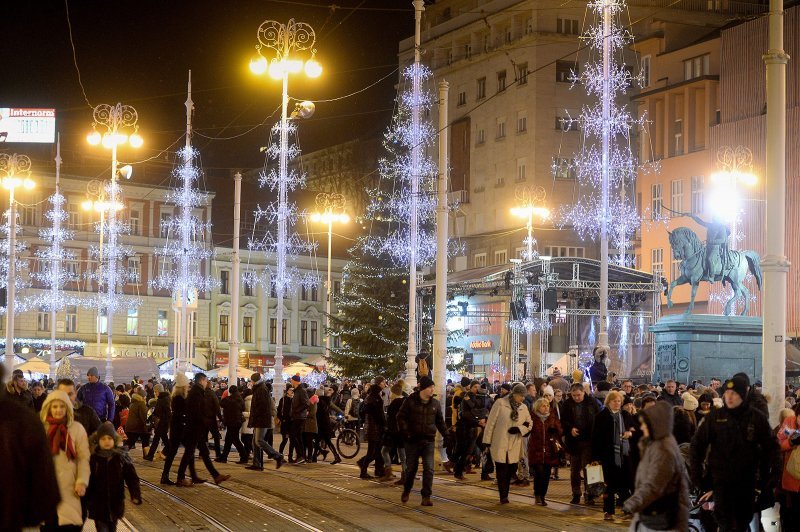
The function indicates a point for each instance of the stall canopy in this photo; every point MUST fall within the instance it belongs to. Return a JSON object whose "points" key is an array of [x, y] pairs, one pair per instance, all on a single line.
{"points": [[125, 369], [222, 371]]}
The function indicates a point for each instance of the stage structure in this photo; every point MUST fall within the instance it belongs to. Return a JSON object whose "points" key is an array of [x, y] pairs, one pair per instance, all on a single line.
{"points": [[560, 296]]}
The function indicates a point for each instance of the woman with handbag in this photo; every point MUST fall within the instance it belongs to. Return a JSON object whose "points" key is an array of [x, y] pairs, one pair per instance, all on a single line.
{"points": [[611, 446], [544, 445], [660, 500]]}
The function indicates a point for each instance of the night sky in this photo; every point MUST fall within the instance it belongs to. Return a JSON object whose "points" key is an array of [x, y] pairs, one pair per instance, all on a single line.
{"points": [[139, 53]]}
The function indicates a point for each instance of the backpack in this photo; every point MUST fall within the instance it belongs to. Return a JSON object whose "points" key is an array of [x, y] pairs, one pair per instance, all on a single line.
{"points": [[362, 410], [355, 408]]}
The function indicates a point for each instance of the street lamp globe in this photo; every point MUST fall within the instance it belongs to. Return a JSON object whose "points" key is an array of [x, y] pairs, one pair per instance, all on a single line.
{"points": [[258, 65], [136, 140], [313, 68], [94, 138]]}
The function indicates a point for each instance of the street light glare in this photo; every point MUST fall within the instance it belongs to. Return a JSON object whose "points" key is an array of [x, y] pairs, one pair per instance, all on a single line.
{"points": [[258, 65], [313, 68], [94, 138], [28, 184], [136, 140]]}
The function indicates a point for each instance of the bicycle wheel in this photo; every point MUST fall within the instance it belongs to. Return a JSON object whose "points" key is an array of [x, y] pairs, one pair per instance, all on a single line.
{"points": [[347, 443]]}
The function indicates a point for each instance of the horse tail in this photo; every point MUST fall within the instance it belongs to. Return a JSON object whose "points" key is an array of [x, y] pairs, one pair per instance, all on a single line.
{"points": [[755, 266]]}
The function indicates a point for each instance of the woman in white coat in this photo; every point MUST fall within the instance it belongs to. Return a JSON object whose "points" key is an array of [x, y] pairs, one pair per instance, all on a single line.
{"points": [[508, 424], [69, 447]]}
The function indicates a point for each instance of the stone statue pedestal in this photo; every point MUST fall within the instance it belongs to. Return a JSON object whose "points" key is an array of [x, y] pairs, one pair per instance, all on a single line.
{"points": [[702, 346]]}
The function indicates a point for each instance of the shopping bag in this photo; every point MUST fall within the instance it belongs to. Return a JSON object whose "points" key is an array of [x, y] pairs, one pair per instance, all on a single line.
{"points": [[594, 474]]}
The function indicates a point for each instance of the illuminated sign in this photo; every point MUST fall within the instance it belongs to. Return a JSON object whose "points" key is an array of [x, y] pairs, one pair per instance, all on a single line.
{"points": [[23, 124], [481, 344]]}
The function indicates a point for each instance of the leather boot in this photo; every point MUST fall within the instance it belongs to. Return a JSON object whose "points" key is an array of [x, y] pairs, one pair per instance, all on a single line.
{"points": [[387, 474], [402, 480]]}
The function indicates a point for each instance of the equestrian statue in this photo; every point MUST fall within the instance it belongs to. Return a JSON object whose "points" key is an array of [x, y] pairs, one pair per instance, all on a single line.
{"points": [[712, 262]]}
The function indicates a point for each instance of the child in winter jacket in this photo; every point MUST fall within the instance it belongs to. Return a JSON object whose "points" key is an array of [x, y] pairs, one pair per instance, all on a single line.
{"points": [[112, 469]]}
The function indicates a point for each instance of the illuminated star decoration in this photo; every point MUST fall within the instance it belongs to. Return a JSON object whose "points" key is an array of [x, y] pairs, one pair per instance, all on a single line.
{"points": [[113, 273], [20, 263], [271, 216], [54, 272], [585, 216], [186, 249]]}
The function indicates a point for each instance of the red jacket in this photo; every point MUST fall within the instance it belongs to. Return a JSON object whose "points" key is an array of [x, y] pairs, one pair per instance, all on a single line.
{"points": [[788, 482], [542, 441]]}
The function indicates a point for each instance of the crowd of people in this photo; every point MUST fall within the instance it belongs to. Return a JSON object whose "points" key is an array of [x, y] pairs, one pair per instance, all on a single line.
{"points": [[657, 455]]}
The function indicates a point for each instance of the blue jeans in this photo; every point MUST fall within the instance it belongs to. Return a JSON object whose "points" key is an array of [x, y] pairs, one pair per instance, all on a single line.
{"points": [[415, 451], [260, 444], [386, 453]]}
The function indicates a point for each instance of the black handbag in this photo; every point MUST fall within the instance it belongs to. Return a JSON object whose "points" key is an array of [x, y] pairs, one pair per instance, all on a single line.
{"points": [[662, 514]]}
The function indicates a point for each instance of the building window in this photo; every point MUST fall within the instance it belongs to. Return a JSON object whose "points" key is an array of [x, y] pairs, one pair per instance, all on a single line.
{"points": [[303, 332], [521, 168], [337, 288], [73, 215], [314, 293], [697, 194], [71, 319], [314, 333], [567, 26], [27, 214], [162, 323], [336, 341], [696, 67], [134, 221], [564, 251], [564, 168], [501, 128], [522, 122], [224, 282], [566, 71], [73, 270], [522, 72], [166, 220], [481, 88], [247, 329], [303, 293], [676, 197], [479, 261], [273, 333], [678, 136], [133, 322], [566, 123], [273, 292], [500, 257], [501, 81], [102, 322], [43, 320], [449, 57], [480, 136], [645, 74], [675, 270], [134, 271], [223, 327], [248, 289], [656, 202], [657, 261], [462, 98], [509, 34], [468, 50]]}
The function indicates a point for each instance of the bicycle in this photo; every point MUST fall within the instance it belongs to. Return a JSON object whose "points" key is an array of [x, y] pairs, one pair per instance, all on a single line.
{"points": [[347, 441]]}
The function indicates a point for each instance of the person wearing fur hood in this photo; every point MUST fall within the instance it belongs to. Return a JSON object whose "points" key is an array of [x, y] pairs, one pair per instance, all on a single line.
{"points": [[660, 499], [69, 447], [111, 469]]}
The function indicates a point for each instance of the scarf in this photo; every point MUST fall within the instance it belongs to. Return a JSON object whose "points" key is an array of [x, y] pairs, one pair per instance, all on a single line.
{"points": [[621, 447], [543, 417], [514, 408], [58, 437]]}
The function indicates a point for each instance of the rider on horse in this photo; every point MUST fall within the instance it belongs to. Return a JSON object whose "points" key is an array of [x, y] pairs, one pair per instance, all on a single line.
{"points": [[717, 260]]}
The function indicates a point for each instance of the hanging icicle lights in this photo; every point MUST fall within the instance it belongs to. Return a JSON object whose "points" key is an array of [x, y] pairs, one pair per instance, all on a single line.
{"points": [[186, 250], [391, 201], [586, 215], [20, 263]]}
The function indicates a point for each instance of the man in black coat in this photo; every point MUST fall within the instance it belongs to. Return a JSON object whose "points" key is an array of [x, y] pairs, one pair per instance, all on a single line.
{"points": [[196, 434], [744, 463], [161, 416], [577, 421], [300, 407], [17, 389], [212, 415], [473, 413], [261, 415], [30, 495], [418, 420], [670, 394]]}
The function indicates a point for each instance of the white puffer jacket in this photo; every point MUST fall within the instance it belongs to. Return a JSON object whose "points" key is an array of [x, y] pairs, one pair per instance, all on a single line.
{"points": [[506, 448]]}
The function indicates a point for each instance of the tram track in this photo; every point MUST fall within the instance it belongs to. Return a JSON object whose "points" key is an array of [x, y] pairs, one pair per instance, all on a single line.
{"points": [[205, 516]]}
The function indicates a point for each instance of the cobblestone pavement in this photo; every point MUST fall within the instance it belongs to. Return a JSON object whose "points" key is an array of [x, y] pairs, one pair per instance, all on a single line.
{"points": [[322, 496]]}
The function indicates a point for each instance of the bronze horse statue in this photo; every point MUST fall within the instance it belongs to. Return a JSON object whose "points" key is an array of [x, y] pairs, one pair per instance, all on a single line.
{"points": [[691, 251]]}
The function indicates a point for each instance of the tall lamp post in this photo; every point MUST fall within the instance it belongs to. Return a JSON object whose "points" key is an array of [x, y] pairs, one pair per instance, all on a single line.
{"points": [[531, 199], [331, 209], [119, 125], [285, 40], [15, 171]]}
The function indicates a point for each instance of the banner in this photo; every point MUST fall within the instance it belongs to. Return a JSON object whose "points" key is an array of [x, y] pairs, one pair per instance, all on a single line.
{"points": [[24, 124]]}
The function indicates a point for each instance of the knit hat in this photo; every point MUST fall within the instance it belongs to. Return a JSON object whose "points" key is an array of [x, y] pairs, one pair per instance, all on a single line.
{"points": [[739, 383], [556, 371], [255, 377], [92, 372], [106, 429], [577, 375], [717, 401], [548, 390], [604, 386], [158, 388], [519, 388], [506, 386], [425, 382], [296, 378], [690, 402], [181, 380]]}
